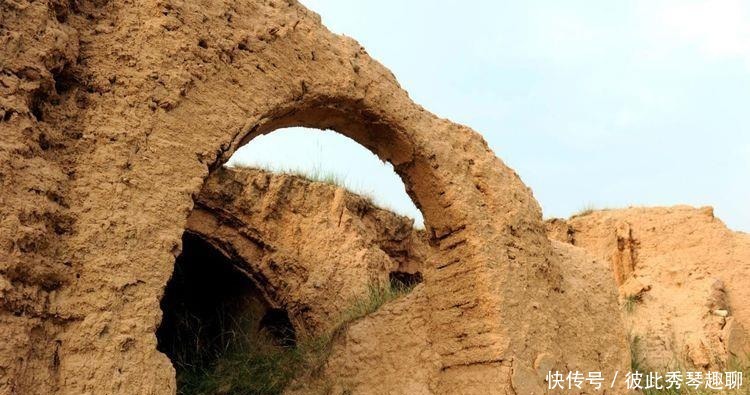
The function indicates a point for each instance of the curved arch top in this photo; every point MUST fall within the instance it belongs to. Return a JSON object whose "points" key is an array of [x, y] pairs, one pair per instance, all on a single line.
{"points": [[480, 215]]}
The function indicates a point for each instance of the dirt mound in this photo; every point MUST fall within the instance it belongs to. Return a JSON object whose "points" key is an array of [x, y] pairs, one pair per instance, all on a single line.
{"points": [[682, 277], [112, 116]]}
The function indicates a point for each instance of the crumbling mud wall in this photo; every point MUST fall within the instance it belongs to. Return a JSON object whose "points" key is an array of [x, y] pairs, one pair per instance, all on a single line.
{"points": [[313, 248], [310, 247], [391, 350], [683, 276], [113, 114]]}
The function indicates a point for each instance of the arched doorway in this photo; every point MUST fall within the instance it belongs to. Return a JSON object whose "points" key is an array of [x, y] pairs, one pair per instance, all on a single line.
{"points": [[455, 182]]}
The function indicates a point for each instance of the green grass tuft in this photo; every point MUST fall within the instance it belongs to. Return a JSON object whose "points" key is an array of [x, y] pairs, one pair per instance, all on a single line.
{"points": [[246, 362], [630, 302], [251, 362], [376, 297]]}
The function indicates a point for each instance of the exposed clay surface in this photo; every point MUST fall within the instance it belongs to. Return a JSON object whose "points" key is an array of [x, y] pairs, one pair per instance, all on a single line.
{"points": [[391, 350], [310, 247], [685, 273], [112, 116]]}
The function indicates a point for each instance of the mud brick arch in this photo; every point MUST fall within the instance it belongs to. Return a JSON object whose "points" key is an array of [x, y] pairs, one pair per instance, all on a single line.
{"points": [[124, 109]]}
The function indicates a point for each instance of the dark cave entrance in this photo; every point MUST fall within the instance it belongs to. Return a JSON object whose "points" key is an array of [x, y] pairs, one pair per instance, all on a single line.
{"points": [[214, 314]]}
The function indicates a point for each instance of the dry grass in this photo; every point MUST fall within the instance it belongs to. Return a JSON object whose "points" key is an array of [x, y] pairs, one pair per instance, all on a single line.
{"points": [[585, 210], [315, 173], [318, 174], [630, 303], [637, 364], [251, 362], [376, 297]]}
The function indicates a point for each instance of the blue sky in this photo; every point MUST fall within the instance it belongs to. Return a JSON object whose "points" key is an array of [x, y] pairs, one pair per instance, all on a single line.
{"points": [[611, 104]]}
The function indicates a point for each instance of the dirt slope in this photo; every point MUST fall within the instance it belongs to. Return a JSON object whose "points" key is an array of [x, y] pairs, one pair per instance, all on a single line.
{"points": [[683, 274]]}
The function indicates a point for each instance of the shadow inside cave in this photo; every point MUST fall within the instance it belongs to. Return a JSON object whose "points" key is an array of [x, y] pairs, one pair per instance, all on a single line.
{"points": [[213, 317]]}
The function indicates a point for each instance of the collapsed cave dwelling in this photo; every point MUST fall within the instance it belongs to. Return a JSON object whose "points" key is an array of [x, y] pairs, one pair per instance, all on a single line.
{"points": [[239, 273], [121, 228]]}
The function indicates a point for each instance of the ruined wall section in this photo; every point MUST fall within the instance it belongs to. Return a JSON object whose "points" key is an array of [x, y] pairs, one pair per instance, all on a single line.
{"points": [[37, 164], [682, 279], [312, 248]]}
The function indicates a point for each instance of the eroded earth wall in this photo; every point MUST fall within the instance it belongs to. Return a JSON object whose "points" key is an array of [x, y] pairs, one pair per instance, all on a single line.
{"points": [[682, 277], [112, 115], [311, 248]]}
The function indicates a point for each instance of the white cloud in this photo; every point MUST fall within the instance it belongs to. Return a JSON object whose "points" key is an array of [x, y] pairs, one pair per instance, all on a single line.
{"points": [[717, 28]]}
